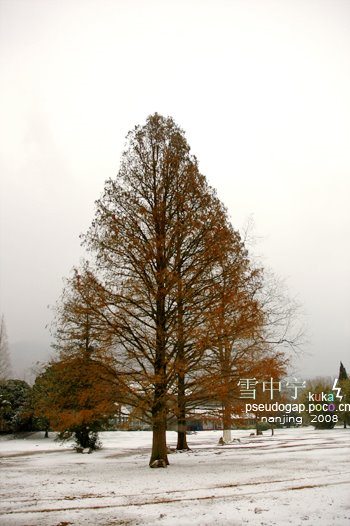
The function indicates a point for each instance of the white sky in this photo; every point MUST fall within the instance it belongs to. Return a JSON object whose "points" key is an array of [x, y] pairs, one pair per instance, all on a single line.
{"points": [[261, 89]]}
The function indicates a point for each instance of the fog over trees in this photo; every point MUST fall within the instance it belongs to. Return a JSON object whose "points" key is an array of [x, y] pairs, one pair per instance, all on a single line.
{"points": [[5, 360]]}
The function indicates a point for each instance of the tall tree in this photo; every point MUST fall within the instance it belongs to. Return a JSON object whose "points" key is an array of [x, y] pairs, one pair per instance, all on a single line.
{"points": [[156, 234], [236, 321], [5, 361], [243, 318], [199, 247]]}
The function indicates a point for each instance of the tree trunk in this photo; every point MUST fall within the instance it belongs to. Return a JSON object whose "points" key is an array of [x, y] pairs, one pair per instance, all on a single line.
{"points": [[159, 447], [226, 401], [82, 437], [180, 362], [159, 410], [181, 435], [226, 420], [258, 430], [181, 418], [227, 436], [159, 413]]}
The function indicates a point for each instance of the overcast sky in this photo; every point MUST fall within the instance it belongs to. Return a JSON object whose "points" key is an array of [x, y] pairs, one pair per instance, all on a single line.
{"points": [[262, 90]]}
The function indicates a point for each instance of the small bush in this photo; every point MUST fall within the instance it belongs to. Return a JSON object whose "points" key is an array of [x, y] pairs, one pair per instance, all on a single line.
{"points": [[84, 438]]}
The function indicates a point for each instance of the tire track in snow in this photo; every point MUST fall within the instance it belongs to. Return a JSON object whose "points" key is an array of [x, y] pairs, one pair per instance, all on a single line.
{"points": [[162, 500]]}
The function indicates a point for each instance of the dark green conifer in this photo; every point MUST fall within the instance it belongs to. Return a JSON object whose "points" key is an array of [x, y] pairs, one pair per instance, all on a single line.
{"points": [[342, 372]]}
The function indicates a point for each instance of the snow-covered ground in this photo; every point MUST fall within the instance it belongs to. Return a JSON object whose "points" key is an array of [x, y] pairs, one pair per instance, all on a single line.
{"points": [[298, 477]]}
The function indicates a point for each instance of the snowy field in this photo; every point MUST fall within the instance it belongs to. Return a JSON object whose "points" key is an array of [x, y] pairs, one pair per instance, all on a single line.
{"points": [[298, 477]]}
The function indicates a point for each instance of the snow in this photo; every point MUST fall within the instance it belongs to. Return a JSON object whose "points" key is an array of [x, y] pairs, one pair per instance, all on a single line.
{"points": [[297, 477]]}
